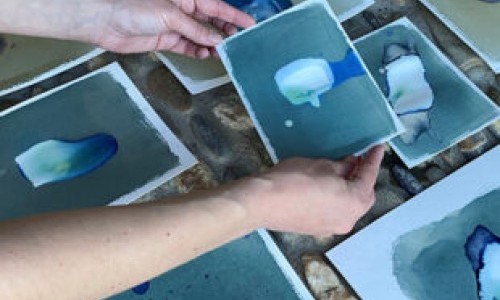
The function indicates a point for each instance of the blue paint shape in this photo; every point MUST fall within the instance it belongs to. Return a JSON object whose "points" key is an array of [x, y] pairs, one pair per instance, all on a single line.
{"points": [[347, 68], [142, 288], [485, 262], [305, 80], [57, 160]]}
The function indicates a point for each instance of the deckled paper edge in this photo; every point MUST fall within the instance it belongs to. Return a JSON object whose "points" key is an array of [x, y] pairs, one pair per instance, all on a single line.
{"points": [[186, 159], [454, 192], [54, 71], [398, 126], [411, 163], [494, 64], [194, 87]]}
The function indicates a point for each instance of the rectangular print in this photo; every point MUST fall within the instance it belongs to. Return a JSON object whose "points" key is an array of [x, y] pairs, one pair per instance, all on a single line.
{"points": [[442, 244], [475, 22], [305, 87], [28, 60], [198, 76], [251, 267], [90, 142], [436, 102]]}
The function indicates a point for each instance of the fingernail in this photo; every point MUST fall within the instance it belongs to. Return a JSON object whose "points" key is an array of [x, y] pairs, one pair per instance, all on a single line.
{"points": [[203, 53], [214, 38]]}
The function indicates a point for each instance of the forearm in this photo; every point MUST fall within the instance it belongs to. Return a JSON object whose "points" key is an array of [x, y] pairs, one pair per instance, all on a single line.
{"points": [[94, 253], [64, 19]]}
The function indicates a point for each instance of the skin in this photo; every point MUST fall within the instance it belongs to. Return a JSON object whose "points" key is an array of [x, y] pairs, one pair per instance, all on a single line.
{"points": [[189, 27], [58, 256], [95, 253]]}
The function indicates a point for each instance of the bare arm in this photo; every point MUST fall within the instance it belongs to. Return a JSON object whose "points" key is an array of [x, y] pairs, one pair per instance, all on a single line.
{"points": [[91, 254], [127, 25]]}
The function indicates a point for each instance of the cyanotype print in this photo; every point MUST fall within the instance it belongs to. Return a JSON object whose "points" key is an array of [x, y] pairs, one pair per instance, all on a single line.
{"points": [[90, 142], [437, 104], [246, 268], [308, 96]]}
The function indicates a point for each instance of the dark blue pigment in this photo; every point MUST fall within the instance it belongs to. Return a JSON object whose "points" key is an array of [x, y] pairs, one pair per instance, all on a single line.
{"points": [[141, 289]]}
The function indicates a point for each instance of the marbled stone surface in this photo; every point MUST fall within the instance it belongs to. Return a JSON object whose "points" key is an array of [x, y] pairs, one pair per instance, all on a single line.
{"points": [[216, 128]]}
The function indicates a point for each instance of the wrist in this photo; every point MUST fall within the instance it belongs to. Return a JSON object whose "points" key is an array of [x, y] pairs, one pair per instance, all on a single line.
{"points": [[252, 194]]}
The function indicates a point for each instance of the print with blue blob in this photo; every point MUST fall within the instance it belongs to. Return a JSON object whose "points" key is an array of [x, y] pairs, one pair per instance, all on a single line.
{"points": [[58, 160]]}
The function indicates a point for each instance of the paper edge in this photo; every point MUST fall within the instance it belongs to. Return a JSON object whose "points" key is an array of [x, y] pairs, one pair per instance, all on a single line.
{"points": [[52, 72], [194, 87], [287, 270]]}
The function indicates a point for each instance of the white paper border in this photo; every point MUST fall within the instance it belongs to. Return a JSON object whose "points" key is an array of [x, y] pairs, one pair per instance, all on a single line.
{"points": [[494, 65], [410, 163], [186, 159], [399, 128], [365, 259], [290, 274], [52, 72], [194, 87]]}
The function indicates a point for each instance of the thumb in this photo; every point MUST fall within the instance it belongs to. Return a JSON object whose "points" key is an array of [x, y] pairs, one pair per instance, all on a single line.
{"points": [[366, 175]]}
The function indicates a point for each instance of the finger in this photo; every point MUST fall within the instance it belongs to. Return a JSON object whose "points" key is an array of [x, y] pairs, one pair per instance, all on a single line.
{"points": [[223, 11], [367, 172], [193, 30], [182, 46]]}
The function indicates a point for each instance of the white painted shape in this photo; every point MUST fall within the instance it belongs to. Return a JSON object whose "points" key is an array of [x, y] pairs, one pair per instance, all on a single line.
{"points": [[304, 80], [365, 259], [225, 60], [53, 72], [409, 162], [409, 90], [489, 276]]}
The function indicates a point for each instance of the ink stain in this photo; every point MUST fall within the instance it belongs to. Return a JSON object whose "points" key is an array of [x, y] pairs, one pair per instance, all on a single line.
{"points": [[206, 276], [13, 45], [57, 160], [483, 251], [305, 80], [141, 289]]}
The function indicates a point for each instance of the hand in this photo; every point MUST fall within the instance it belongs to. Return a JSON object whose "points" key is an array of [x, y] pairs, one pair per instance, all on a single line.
{"points": [[179, 26], [318, 197]]}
